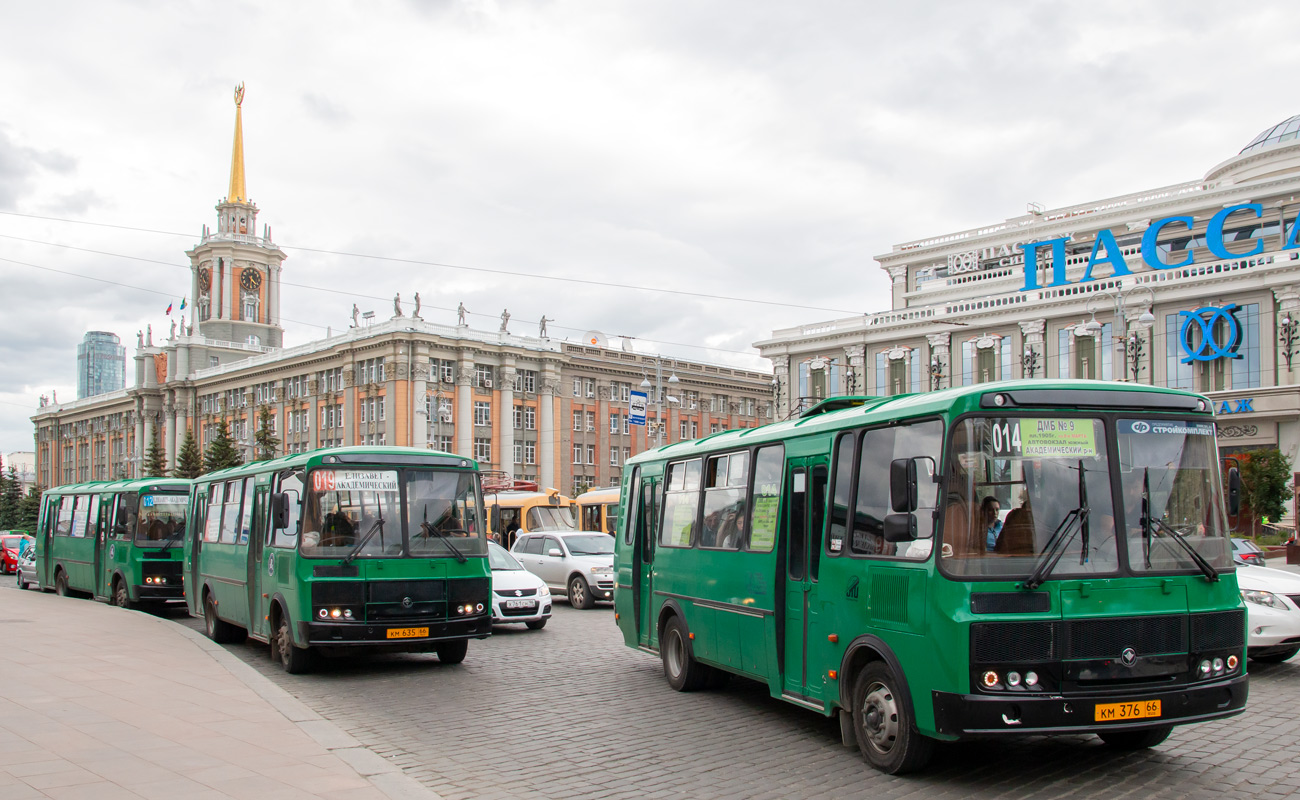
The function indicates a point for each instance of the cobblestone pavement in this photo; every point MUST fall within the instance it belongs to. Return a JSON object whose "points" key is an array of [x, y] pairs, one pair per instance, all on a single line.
{"points": [[569, 712]]}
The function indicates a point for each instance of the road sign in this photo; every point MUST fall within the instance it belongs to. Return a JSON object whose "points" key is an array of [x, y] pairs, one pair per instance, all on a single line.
{"points": [[636, 408]]}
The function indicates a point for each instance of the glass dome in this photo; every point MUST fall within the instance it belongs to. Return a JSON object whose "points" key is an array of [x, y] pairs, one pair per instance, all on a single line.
{"points": [[1284, 131]]}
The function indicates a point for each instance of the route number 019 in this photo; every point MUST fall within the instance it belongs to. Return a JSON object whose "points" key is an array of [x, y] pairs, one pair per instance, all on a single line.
{"points": [[1006, 437]]}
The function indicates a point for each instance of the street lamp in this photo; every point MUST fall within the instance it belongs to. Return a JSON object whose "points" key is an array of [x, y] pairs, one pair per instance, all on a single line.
{"points": [[1288, 331], [659, 392], [1130, 346], [936, 372], [1029, 361]]}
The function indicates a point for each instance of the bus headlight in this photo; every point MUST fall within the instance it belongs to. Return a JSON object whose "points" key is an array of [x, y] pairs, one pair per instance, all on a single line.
{"points": [[336, 613], [1013, 679], [1204, 668], [1233, 661], [323, 613], [1031, 679]]}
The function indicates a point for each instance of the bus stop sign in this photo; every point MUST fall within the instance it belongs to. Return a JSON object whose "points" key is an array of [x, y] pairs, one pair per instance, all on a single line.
{"points": [[636, 408]]}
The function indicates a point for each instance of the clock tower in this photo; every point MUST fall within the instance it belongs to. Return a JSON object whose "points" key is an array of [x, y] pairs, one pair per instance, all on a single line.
{"points": [[236, 272]]}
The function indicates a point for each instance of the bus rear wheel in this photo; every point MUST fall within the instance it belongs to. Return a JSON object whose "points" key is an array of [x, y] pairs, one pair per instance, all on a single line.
{"points": [[121, 596], [452, 652], [886, 732], [1136, 740], [683, 672], [218, 630], [295, 660]]}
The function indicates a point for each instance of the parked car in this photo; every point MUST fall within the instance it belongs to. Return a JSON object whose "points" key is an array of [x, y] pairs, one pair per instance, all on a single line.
{"points": [[1272, 612], [12, 547], [1244, 551], [517, 594], [578, 564], [27, 570]]}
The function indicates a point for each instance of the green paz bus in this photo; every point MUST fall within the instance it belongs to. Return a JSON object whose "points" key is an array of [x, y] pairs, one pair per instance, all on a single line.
{"points": [[114, 540], [1009, 558], [350, 549]]}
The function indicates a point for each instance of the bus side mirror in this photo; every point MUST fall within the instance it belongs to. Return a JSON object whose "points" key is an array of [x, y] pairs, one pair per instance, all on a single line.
{"points": [[902, 485], [1234, 491], [900, 527], [131, 503], [280, 510], [494, 519]]}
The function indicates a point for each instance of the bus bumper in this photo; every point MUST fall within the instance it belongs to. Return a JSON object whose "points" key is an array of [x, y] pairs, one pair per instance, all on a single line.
{"points": [[146, 593], [979, 715], [361, 634]]}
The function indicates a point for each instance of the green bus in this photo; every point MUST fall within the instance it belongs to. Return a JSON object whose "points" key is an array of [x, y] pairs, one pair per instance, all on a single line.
{"points": [[114, 540], [946, 565], [351, 549]]}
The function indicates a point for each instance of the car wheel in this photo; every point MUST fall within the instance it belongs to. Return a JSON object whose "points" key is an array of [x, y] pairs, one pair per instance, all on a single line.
{"points": [[580, 593], [452, 652], [683, 672], [218, 630], [886, 732], [295, 660], [22, 584], [1136, 740], [536, 624], [61, 584], [121, 596], [1276, 657]]}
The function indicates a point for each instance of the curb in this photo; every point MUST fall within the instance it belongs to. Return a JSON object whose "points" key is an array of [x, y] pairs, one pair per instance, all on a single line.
{"points": [[387, 778]]}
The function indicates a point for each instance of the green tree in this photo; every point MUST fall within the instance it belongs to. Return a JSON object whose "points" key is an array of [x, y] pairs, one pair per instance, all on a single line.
{"points": [[29, 510], [1265, 476], [265, 442], [189, 460], [222, 452], [155, 461], [11, 494]]}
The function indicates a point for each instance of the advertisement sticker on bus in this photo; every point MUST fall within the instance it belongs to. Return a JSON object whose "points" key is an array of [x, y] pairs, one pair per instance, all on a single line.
{"points": [[354, 480], [1144, 427], [1045, 438]]}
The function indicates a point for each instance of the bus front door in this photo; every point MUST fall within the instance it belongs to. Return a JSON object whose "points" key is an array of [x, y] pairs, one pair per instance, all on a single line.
{"points": [[805, 515], [643, 557], [103, 563], [258, 593]]}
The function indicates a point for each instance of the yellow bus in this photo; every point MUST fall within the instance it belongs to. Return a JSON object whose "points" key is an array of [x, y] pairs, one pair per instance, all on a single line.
{"points": [[598, 509], [514, 511]]}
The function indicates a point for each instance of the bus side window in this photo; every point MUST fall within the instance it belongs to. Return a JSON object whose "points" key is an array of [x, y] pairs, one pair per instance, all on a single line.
{"points": [[291, 486], [212, 525], [817, 519], [63, 518], [765, 498], [841, 494], [633, 507]]}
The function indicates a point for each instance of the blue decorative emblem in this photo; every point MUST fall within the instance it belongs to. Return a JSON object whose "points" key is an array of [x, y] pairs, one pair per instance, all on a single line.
{"points": [[1205, 319], [270, 563]]}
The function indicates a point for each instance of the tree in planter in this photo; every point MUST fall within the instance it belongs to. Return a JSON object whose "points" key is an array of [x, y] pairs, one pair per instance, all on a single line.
{"points": [[189, 461], [265, 442], [222, 452], [155, 461], [1265, 475]]}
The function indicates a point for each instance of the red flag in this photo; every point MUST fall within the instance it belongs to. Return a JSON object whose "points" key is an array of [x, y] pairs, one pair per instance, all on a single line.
{"points": [[169, 309]]}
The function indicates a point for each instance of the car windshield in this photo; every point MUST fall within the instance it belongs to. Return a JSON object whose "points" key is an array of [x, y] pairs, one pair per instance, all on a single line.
{"points": [[161, 519], [1175, 463], [359, 513], [597, 544], [550, 518], [1014, 495], [500, 559]]}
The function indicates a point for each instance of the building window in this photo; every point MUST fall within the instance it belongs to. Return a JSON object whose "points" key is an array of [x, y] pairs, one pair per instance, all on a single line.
{"points": [[591, 420], [443, 443], [591, 454], [526, 381], [625, 425], [577, 453], [483, 376], [613, 456], [530, 453], [482, 412], [577, 387], [613, 423], [577, 420], [483, 450], [519, 452], [530, 418], [589, 387]]}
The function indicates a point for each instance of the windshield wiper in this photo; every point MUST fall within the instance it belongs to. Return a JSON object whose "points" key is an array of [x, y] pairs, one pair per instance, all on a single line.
{"points": [[1150, 524], [378, 526], [430, 530], [173, 539], [1074, 522]]}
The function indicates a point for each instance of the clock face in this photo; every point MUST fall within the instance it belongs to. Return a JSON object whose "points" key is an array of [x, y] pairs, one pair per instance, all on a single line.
{"points": [[250, 279], [205, 280]]}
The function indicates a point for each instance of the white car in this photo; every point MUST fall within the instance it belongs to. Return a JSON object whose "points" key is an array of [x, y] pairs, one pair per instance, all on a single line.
{"points": [[517, 594], [1272, 612], [579, 564]]}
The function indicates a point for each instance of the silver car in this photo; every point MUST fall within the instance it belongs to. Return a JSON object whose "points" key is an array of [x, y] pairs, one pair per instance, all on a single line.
{"points": [[26, 570], [578, 564]]}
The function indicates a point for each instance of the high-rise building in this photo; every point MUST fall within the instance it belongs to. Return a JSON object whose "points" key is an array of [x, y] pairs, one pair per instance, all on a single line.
{"points": [[101, 364]]}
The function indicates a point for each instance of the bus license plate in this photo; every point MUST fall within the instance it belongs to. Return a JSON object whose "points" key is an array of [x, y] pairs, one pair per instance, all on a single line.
{"points": [[407, 633], [1112, 712], [520, 603]]}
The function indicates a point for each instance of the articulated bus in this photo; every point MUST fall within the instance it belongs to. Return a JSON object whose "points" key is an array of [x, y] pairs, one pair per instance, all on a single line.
{"points": [[114, 540], [1026, 557], [598, 509], [342, 550]]}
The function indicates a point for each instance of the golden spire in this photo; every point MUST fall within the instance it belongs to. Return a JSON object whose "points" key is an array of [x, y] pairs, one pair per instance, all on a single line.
{"points": [[238, 193]]}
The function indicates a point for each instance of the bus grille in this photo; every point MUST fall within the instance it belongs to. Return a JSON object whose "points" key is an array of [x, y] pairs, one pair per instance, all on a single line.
{"points": [[1014, 642]]}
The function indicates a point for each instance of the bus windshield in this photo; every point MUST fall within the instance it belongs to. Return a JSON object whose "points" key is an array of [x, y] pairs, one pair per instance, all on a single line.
{"points": [[161, 519], [1015, 498], [359, 511], [550, 518], [1175, 464]]}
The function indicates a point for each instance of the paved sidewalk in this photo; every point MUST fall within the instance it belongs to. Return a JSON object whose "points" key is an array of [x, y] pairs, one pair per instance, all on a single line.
{"points": [[98, 702]]}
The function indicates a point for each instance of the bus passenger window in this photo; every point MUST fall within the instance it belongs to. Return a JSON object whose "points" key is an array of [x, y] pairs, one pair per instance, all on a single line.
{"points": [[291, 486], [212, 527], [677, 527], [765, 498], [724, 501], [230, 512]]}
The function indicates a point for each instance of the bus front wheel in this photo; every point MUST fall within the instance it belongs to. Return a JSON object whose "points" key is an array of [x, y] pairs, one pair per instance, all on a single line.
{"points": [[121, 596], [886, 732], [683, 672], [452, 652], [1136, 740], [295, 660]]}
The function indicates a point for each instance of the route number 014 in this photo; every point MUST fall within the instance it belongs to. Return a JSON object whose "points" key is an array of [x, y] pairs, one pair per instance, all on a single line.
{"points": [[1006, 437]]}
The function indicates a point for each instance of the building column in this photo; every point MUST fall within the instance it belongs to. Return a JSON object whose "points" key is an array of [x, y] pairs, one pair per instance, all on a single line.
{"points": [[506, 415], [898, 279], [349, 404], [940, 363], [547, 435], [464, 411], [1033, 355], [419, 397], [169, 434]]}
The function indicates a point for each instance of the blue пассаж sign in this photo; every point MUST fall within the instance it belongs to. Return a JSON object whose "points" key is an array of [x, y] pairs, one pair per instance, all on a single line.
{"points": [[1107, 251]]}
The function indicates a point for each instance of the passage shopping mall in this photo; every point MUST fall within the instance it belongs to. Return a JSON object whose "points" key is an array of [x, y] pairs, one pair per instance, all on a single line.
{"points": [[542, 410], [1194, 286]]}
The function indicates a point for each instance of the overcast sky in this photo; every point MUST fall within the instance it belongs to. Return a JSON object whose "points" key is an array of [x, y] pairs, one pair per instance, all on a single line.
{"points": [[739, 149]]}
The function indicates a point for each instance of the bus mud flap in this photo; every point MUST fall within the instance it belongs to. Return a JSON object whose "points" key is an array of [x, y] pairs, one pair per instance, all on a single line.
{"points": [[847, 737]]}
